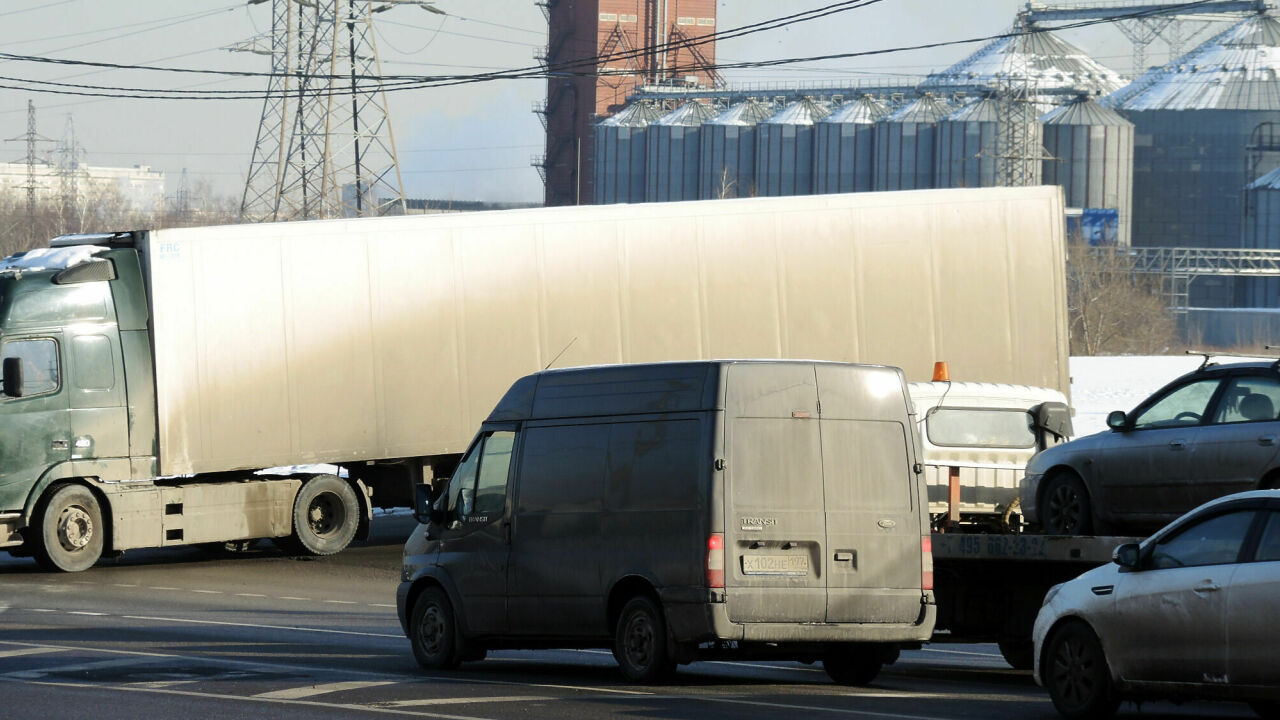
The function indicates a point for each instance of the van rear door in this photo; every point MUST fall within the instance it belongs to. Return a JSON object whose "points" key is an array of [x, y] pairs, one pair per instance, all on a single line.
{"points": [[873, 561], [775, 537]]}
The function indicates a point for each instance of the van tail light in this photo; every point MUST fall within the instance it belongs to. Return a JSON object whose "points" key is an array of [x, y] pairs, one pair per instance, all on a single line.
{"points": [[715, 560], [926, 563]]}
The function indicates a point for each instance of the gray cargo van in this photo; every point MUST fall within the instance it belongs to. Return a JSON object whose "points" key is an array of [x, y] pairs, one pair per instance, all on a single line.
{"points": [[682, 511]]}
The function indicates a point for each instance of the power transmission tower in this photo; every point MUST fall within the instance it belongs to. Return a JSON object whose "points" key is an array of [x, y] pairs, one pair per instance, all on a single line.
{"points": [[69, 155], [182, 201], [31, 138], [324, 146], [1020, 152]]}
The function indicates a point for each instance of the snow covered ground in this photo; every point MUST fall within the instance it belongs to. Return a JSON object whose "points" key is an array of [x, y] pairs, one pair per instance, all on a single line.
{"points": [[1102, 384]]}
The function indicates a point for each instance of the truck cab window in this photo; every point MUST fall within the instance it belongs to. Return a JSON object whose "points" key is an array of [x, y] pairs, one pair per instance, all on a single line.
{"points": [[479, 486], [39, 364]]}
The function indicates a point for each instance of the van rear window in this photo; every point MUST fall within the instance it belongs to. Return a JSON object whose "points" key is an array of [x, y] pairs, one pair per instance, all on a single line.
{"points": [[980, 427]]}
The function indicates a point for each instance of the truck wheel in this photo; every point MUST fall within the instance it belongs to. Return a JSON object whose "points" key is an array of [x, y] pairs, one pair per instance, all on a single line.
{"points": [[433, 631], [69, 531], [853, 664], [1020, 654], [326, 516], [1077, 675], [1065, 507], [640, 642]]}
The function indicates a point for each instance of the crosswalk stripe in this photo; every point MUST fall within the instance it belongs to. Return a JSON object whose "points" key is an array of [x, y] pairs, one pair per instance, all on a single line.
{"points": [[29, 651], [312, 690], [460, 701], [100, 665]]}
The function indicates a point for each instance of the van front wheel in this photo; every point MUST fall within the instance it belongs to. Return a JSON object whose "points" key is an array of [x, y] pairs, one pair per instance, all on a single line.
{"points": [[433, 631], [640, 642]]}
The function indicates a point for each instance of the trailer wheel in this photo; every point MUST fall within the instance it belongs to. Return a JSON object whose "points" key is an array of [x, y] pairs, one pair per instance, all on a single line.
{"points": [[1065, 508], [326, 515], [640, 642], [433, 631], [853, 664], [68, 530]]}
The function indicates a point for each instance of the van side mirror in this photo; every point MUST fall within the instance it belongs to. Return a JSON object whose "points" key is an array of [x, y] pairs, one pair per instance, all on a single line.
{"points": [[1126, 556], [12, 371], [422, 503], [1118, 421]]}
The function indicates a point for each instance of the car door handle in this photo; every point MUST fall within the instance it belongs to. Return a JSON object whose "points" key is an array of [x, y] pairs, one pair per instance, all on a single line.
{"points": [[1178, 445], [1266, 440], [1208, 586], [59, 445]]}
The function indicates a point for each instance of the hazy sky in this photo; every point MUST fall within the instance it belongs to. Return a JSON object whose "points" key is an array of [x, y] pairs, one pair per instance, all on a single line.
{"points": [[466, 143]]}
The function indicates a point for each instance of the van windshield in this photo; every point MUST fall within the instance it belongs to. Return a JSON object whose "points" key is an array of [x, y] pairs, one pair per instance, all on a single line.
{"points": [[981, 427]]}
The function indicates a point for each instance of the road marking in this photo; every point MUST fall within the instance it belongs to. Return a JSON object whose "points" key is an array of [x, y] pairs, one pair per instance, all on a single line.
{"points": [[18, 652], [384, 605], [161, 587], [342, 602], [83, 612], [313, 690], [293, 598], [99, 665], [249, 595], [208, 592], [127, 585], [326, 631], [465, 701], [961, 652]]}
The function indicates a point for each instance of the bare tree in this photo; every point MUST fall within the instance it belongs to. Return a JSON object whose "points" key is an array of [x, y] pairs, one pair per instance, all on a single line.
{"points": [[1113, 310]]}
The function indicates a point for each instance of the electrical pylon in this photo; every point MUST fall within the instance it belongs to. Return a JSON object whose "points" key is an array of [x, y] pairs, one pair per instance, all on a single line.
{"points": [[324, 146], [31, 138], [69, 157]]}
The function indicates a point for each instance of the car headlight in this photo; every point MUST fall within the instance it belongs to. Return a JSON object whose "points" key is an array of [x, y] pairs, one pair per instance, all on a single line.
{"points": [[1049, 596]]}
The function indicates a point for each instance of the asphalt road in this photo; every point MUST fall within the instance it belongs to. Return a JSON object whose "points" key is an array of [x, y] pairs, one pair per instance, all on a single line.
{"points": [[184, 633]]}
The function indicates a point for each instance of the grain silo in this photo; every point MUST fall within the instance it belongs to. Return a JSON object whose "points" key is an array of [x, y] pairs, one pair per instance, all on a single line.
{"points": [[1090, 151], [1262, 232], [784, 149], [727, 167], [1193, 119], [1042, 59], [967, 145], [906, 145], [671, 169], [620, 154], [844, 147]]}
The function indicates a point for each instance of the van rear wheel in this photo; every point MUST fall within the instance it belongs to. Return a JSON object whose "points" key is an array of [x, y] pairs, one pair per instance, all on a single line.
{"points": [[640, 642]]}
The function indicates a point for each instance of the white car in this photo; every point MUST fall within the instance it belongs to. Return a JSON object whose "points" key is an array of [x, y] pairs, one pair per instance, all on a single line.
{"points": [[1188, 613]]}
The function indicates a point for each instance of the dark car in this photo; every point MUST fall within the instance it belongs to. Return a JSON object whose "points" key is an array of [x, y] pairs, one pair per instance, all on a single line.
{"points": [[1209, 433]]}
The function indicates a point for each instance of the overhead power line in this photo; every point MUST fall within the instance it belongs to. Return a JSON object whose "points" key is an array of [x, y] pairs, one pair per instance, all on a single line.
{"points": [[393, 83]]}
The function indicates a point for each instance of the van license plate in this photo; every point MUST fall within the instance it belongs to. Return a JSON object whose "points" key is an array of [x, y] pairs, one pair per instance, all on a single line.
{"points": [[775, 564]]}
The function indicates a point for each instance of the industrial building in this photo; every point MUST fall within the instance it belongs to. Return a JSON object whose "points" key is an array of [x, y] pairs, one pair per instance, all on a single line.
{"points": [[1175, 158], [598, 52], [139, 185]]}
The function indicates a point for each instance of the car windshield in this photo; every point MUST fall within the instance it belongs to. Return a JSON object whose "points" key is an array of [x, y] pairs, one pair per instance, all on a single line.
{"points": [[1184, 405], [980, 427]]}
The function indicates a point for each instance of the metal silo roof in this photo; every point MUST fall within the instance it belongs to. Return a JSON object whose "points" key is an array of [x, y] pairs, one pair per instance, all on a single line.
{"points": [[926, 109], [983, 110], [690, 114], [1044, 58], [866, 110], [634, 115], [747, 112], [1084, 111], [804, 111], [1235, 70], [1270, 181]]}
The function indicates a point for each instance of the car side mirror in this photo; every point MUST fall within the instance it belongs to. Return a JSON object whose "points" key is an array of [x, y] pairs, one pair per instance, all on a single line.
{"points": [[1118, 421], [1127, 556], [12, 371]]}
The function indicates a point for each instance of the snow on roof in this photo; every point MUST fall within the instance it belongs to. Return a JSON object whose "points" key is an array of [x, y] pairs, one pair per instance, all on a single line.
{"points": [[1234, 70], [980, 394], [49, 258], [1045, 59]]}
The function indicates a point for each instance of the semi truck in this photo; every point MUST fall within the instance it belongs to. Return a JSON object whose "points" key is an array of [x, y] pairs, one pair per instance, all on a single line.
{"points": [[150, 377]]}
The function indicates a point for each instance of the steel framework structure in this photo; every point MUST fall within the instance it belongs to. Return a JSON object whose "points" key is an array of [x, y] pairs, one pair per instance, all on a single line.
{"points": [[1179, 266], [325, 146]]}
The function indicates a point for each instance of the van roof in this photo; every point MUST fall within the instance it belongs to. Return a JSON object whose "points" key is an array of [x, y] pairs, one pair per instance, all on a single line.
{"points": [[599, 390]]}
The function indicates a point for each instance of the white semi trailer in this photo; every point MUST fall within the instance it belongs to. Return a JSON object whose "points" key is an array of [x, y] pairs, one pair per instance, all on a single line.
{"points": [[149, 375]]}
